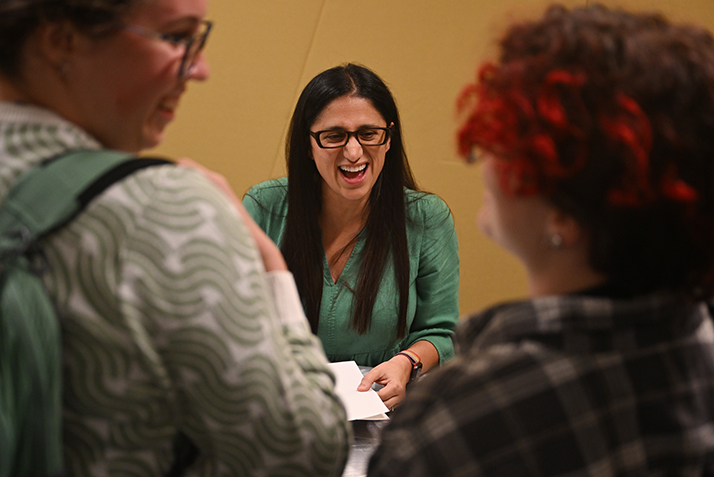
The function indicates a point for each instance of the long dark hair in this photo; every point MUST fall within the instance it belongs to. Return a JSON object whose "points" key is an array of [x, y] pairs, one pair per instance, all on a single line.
{"points": [[385, 230]]}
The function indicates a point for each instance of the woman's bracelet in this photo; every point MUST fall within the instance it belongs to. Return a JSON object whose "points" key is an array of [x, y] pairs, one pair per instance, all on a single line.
{"points": [[416, 363], [411, 355]]}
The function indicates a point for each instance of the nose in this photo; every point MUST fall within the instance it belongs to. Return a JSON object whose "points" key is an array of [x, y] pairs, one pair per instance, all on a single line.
{"points": [[352, 150], [200, 71]]}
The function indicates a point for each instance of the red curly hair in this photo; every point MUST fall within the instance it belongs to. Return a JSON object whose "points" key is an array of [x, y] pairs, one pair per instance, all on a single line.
{"points": [[609, 115]]}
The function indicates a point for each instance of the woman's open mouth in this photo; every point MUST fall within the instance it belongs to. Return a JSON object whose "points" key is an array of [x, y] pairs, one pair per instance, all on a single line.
{"points": [[353, 173]]}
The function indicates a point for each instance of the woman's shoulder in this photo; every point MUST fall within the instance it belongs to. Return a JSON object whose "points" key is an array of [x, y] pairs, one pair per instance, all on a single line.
{"points": [[269, 198], [269, 194], [423, 200], [426, 207], [270, 188]]}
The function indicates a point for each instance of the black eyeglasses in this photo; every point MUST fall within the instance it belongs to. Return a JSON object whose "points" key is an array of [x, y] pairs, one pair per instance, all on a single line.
{"points": [[334, 138], [193, 44]]}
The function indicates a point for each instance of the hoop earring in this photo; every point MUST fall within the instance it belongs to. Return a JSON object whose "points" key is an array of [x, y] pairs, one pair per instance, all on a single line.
{"points": [[556, 241]]}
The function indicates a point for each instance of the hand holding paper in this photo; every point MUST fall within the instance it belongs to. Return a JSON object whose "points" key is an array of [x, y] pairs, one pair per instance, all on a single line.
{"points": [[359, 404]]}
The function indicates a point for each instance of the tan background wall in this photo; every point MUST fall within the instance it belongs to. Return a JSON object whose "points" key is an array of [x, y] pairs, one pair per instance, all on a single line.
{"points": [[262, 53]]}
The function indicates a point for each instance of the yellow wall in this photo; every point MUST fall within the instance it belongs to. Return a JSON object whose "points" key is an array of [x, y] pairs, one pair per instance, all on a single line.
{"points": [[262, 53]]}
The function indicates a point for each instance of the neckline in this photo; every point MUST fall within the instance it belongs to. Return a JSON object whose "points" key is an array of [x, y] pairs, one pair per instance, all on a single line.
{"points": [[347, 269]]}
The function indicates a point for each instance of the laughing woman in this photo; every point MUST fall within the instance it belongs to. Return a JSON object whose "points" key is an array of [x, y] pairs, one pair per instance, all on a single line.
{"points": [[375, 260]]}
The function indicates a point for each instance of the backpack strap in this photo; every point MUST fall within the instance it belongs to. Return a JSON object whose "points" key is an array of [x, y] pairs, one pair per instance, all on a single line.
{"points": [[47, 197], [41, 201]]}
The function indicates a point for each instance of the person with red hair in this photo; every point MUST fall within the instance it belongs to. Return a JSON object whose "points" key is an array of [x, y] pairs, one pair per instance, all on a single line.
{"points": [[595, 134]]}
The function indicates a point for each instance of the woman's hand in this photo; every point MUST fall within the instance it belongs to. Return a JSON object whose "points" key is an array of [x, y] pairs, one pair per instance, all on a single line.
{"points": [[394, 376], [270, 253]]}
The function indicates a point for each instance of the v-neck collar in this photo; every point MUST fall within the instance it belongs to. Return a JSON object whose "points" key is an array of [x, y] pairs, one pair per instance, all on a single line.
{"points": [[347, 270]]}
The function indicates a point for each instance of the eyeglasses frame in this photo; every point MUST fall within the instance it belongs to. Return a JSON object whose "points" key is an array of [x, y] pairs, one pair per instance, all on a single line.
{"points": [[316, 135], [184, 70]]}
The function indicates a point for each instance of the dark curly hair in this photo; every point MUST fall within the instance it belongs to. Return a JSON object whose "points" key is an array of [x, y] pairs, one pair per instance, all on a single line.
{"points": [[20, 18], [610, 116]]}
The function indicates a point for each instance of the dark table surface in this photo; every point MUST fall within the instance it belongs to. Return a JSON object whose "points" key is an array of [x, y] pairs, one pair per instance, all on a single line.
{"points": [[366, 440]]}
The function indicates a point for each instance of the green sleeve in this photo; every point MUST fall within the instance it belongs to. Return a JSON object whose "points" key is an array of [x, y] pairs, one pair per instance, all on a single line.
{"points": [[437, 281], [267, 204]]}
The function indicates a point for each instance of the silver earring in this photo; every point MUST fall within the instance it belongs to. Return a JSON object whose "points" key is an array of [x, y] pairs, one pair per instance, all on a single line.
{"points": [[556, 241], [473, 156]]}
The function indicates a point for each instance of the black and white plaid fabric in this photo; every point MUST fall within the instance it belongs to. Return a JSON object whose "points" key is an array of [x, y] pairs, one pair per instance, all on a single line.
{"points": [[569, 386]]}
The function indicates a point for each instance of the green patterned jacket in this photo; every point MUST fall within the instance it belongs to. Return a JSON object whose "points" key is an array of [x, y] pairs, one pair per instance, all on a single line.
{"points": [[170, 322]]}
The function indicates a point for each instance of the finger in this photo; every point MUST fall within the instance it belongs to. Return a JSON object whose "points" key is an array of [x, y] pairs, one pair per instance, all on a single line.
{"points": [[217, 178], [385, 394], [365, 384], [394, 401], [375, 375], [191, 164], [187, 161], [391, 403]]}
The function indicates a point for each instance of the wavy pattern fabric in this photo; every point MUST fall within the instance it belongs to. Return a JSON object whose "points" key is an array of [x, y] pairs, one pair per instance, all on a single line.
{"points": [[167, 324]]}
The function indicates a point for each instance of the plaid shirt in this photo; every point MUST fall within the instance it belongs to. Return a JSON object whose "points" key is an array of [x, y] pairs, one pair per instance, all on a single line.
{"points": [[570, 385]]}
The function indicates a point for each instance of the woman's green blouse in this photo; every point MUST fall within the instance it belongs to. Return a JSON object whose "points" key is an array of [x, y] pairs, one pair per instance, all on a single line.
{"points": [[433, 309]]}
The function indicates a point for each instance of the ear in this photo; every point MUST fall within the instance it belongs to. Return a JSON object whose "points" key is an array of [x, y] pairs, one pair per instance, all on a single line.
{"points": [[389, 139], [560, 224], [57, 41]]}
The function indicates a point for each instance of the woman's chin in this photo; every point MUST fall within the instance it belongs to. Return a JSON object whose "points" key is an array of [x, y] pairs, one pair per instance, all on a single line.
{"points": [[152, 138]]}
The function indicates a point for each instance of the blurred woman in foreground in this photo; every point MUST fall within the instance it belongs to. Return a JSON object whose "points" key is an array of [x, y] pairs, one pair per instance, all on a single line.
{"points": [[170, 325]]}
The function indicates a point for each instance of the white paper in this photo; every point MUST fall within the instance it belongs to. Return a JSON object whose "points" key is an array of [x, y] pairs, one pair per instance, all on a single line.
{"points": [[359, 405]]}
